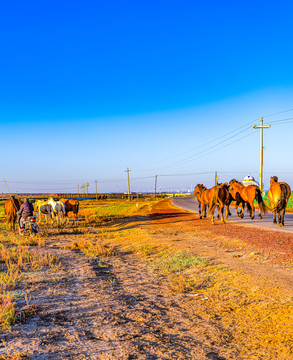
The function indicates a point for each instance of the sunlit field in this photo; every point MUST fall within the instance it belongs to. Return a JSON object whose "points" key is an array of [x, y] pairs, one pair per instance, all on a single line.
{"points": [[216, 293]]}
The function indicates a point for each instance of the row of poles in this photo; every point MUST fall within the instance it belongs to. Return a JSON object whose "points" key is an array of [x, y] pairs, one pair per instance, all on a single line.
{"points": [[84, 188], [261, 185]]}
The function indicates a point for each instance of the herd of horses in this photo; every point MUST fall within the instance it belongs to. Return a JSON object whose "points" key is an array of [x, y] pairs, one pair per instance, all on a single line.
{"points": [[220, 196], [50, 209]]}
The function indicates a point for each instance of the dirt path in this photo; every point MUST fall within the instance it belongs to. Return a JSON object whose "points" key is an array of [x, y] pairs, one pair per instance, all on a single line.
{"points": [[265, 254], [114, 310]]}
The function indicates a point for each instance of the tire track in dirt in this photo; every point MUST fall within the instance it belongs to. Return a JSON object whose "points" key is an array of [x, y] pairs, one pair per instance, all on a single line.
{"points": [[69, 297], [56, 333], [116, 310]]}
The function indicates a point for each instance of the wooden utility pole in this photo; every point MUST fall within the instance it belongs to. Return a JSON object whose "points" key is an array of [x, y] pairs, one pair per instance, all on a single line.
{"points": [[87, 188], [96, 189], [156, 178], [261, 127], [216, 178], [128, 182]]}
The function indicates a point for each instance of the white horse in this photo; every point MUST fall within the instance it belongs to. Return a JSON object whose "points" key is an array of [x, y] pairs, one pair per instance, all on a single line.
{"points": [[42, 207], [58, 208]]}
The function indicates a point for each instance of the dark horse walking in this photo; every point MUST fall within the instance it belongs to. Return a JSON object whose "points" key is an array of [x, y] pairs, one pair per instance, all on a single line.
{"points": [[245, 195], [220, 198], [278, 195]]}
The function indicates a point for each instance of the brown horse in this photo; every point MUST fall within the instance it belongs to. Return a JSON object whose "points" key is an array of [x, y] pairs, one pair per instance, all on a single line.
{"points": [[202, 207], [221, 199], [246, 195], [278, 195], [12, 205], [71, 205], [205, 197], [235, 195]]}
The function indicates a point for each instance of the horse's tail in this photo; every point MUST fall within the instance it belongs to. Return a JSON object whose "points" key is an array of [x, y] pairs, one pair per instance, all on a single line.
{"points": [[262, 206], [213, 202], [282, 202]]}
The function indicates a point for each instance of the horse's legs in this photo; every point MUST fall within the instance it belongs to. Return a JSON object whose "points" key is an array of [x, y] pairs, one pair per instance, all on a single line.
{"points": [[63, 217], [213, 218], [283, 215], [222, 214], [236, 208], [239, 213], [218, 212], [56, 215], [242, 210], [60, 214], [252, 211], [281, 218], [200, 207], [205, 211], [227, 212], [274, 217]]}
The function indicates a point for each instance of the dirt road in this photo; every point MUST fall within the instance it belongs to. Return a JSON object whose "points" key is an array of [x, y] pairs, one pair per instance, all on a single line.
{"points": [[111, 310]]}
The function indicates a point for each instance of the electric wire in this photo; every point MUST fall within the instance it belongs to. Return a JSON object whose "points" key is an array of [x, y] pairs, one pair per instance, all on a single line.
{"points": [[206, 151]]}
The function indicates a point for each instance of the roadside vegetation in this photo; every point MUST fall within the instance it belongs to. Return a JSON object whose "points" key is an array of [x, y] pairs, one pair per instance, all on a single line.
{"points": [[19, 256]]}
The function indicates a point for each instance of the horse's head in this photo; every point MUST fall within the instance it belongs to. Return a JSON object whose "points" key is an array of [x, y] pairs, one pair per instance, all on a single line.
{"points": [[198, 189], [274, 179], [233, 181]]}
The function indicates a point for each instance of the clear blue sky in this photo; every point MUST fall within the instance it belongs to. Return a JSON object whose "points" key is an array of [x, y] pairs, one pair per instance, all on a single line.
{"points": [[90, 88]]}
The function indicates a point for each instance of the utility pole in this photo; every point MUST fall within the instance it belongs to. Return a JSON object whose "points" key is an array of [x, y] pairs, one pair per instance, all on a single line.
{"points": [[128, 182], [96, 189], [261, 127], [156, 185], [216, 178], [87, 188]]}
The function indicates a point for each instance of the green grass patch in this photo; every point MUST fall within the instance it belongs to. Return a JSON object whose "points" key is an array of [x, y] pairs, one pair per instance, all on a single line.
{"points": [[178, 262]]}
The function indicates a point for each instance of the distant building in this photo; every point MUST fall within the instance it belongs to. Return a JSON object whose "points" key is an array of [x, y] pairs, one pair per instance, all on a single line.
{"points": [[249, 180]]}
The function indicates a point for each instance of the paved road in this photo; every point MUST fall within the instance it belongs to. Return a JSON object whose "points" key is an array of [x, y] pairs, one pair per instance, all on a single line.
{"points": [[190, 203]]}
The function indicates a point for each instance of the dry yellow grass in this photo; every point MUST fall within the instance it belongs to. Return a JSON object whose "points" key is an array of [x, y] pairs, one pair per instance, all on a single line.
{"points": [[254, 316]]}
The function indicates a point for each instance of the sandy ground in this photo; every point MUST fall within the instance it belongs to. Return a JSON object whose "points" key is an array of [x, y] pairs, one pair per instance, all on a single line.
{"points": [[117, 309]]}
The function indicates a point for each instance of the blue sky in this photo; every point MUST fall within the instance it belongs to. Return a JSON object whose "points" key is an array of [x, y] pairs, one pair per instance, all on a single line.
{"points": [[90, 88]]}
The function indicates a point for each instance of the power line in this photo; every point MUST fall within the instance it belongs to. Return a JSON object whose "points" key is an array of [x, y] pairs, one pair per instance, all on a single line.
{"points": [[282, 120], [216, 139], [189, 174], [277, 113], [205, 152], [205, 144]]}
